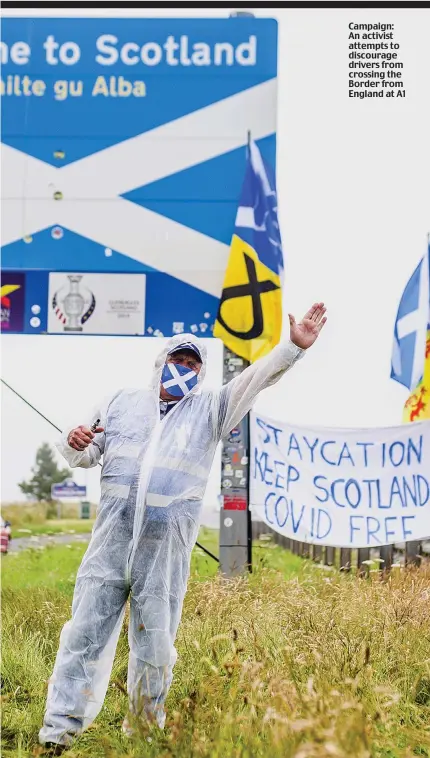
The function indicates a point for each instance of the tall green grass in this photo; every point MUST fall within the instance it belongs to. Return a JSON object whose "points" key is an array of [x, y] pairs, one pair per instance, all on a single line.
{"points": [[31, 514], [289, 662]]}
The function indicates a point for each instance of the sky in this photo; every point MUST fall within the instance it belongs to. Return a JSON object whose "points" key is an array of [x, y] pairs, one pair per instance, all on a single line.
{"points": [[354, 210]]}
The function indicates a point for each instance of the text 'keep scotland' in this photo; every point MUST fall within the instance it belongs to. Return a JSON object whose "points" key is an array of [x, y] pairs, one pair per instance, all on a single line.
{"points": [[374, 66], [344, 489]]}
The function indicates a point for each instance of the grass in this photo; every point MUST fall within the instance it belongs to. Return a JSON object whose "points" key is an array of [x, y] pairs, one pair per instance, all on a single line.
{"points": [[289, 662], [54, 526], [31, 514], [55, 566]]}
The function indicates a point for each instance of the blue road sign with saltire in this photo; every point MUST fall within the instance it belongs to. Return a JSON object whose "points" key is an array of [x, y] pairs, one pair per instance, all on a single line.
{"points": [[124, 148]]}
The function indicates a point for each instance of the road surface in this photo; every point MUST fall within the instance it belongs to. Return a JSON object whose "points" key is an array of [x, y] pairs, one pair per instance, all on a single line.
{"points": [[22, 543], [210, 518]]}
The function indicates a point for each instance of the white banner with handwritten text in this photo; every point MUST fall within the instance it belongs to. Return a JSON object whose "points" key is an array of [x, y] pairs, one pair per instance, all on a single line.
{"points": [[341, 487]]}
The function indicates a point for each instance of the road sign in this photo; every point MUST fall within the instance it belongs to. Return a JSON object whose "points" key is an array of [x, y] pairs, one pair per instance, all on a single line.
{"points": [[124, 144], [67, 489]]}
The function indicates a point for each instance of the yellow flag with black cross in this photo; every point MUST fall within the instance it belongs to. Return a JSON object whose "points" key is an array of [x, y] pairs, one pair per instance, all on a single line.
{"points": [[249, 319]]}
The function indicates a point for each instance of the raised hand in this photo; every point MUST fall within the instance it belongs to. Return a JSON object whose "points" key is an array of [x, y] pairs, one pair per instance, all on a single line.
{"points": [[82, 436], [306, 332]]}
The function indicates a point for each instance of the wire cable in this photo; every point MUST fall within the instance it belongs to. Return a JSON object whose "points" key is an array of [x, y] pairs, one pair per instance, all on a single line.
{"points": [[205, 550]]}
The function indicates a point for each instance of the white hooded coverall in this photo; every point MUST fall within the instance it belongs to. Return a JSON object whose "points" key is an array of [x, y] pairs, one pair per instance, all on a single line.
{"points": [[152, 484]]}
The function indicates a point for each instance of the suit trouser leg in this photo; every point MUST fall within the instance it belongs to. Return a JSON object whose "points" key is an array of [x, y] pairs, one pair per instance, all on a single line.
{"points": [[84, 660], [157, 594]]}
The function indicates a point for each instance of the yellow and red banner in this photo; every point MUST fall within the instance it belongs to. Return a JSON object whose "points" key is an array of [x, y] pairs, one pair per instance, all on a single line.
{"points": [[417, 406]]}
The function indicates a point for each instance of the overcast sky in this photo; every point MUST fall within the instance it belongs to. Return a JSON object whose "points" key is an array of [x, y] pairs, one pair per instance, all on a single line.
{"points": [[354, 212]]}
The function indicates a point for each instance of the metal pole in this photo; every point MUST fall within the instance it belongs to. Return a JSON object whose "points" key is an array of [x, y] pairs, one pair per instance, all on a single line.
{"points": [[235, 533], [248, 509]]}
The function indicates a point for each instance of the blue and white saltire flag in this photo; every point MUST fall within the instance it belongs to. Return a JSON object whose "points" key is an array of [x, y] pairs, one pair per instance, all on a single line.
{"points": [[257, 214], [178, 380], [410, 330]]}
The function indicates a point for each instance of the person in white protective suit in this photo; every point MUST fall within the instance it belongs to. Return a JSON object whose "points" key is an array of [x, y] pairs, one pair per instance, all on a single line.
{"points": [[158, 445]]}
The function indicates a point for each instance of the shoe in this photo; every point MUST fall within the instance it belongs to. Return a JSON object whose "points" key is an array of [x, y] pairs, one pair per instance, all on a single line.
{"points": [[53, 748], [126, 728]]}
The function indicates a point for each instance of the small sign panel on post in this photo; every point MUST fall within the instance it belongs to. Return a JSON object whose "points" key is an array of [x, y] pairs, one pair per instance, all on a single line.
{"points": [[85, 509]]}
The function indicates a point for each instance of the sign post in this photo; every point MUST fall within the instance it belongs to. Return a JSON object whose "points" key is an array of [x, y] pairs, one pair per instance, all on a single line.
{"points": [[85, 509], [235, 540]]}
